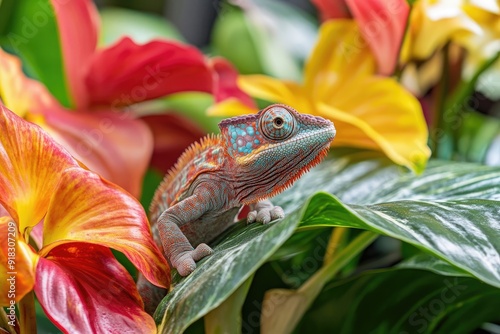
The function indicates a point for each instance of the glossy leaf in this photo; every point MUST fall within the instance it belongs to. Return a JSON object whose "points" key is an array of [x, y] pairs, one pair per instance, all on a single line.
{"points": [[460, 232], [463, 232], [406, 300], [86, 208], [83, 289], [235, 259]]}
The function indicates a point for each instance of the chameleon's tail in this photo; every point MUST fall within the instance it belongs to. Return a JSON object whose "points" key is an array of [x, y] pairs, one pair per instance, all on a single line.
{"points": [[151, 294]]}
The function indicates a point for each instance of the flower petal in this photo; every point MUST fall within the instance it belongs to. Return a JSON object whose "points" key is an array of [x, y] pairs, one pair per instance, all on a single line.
{"points": [[225, 82], [30, 167], [383, 24], [340, 57], [17, 264], [128, 73], [90, 209], [332, 9], [172, 135], [271, 89], [83, 289], [432, 24], [19, 93], [73, 17], [381, 116], [229, 108], [115, 145]]}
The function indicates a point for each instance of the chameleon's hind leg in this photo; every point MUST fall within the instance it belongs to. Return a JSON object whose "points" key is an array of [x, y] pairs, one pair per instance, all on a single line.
{"points": [[177, 248], [264, 212]]}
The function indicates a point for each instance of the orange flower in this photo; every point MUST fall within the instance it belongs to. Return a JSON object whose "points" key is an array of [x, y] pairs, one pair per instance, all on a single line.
{"points": [[74, 275]]}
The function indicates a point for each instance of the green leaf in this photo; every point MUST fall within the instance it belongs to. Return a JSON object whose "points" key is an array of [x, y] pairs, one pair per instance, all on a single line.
{"points": [[32, 33], [141, 27], [428, 262], [465, 233], [234, 260], [402, 301], [421, 210], [286, 307], [227, 317]]}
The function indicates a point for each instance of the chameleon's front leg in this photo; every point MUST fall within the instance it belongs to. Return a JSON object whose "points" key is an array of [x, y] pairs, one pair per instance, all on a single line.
{"points": [[264, 212], [176, 247]]}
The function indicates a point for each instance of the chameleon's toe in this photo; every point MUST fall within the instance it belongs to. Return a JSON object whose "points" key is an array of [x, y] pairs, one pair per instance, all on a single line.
{"points": [[251, 217], [201, 251], [264, 216], [277, 213], [185, 265]]}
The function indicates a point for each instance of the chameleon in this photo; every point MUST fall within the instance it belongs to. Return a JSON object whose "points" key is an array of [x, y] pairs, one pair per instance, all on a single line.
{"points": [[254, 158]]}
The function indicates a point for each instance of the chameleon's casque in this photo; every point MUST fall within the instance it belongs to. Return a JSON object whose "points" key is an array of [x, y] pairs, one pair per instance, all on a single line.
{"points": [[255, 157]]}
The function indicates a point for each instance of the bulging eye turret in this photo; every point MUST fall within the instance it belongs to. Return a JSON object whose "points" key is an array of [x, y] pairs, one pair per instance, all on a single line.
{"points": [[277, 123]]}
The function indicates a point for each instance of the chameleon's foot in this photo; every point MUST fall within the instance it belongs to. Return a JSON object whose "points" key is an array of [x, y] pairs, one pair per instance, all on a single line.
{"points": [[185, 263], [264, 212]]}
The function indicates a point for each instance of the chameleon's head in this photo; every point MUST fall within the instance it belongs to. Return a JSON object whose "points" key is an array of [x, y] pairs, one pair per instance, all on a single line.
{"points": [[276, 146]]}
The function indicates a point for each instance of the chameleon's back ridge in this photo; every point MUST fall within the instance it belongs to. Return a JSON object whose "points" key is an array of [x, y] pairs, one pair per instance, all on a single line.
{"points": [[253, 158]]}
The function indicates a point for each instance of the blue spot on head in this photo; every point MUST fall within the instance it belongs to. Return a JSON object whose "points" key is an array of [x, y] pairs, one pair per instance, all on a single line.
{"points": [[256, 141], [240, 149], [234, 135], [235, 146], [249, 145], [250, 131]]}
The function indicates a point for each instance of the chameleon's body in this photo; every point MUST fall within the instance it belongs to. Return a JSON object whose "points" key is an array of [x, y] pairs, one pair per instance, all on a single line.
{"points": [[254, 158]]}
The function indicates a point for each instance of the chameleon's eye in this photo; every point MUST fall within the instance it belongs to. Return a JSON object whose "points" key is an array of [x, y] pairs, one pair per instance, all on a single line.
{"points": [[277, 123]]}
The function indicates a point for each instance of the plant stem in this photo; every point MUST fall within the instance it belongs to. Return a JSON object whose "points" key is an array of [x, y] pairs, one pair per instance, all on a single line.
{"points": [[27, 314], [4, 322], [328, 271], [336, 240]]}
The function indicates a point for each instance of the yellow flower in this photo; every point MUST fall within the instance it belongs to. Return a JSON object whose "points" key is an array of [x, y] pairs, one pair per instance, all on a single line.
{"points": [[475, 25], [340, 84]]}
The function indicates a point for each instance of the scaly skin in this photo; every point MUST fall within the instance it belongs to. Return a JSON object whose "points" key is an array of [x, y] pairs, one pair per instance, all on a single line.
{"points": [[255, 157]]}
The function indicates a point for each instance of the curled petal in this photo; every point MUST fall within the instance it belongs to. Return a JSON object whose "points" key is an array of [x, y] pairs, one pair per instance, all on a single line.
{"points": [[172, 135], [275, 90], [382, 116], [128, 73], [383, 24], [17, 264], [115, 145], [226, 82], [30, 167], [87, 208], [73, 17], [83, 289]]}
